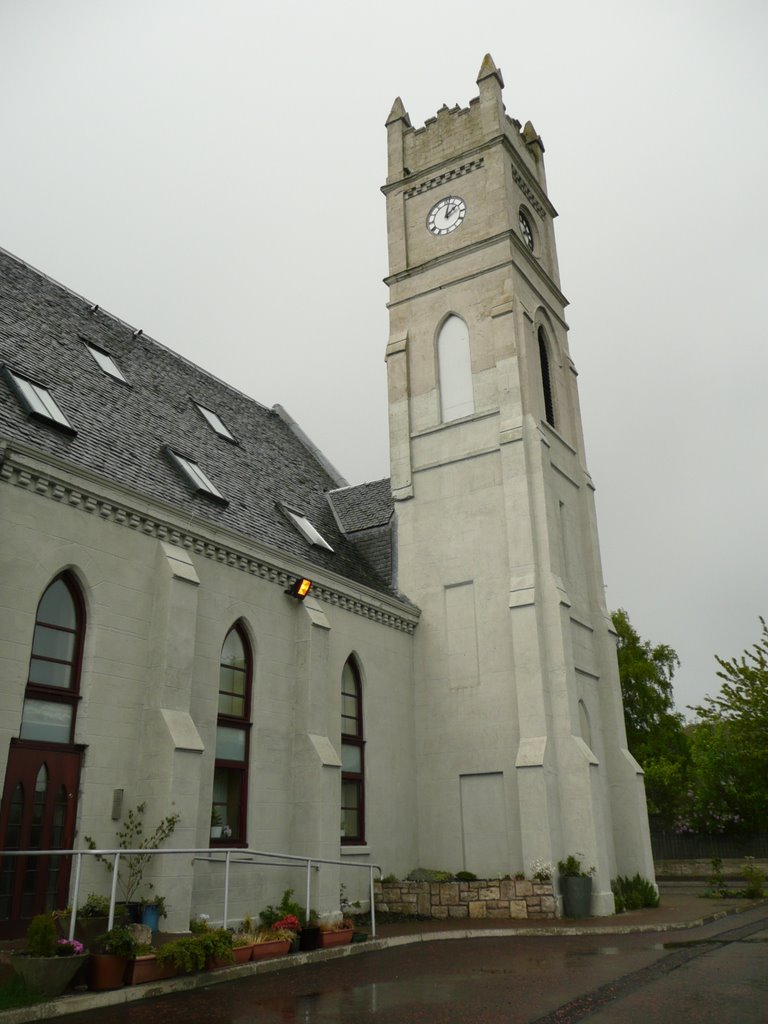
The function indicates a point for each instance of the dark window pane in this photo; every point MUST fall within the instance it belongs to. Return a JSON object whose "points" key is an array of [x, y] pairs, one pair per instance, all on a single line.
{"points": [[227, 799], [53, 643], [46, 720], [57, 607], [50, 673], [351, 759]]}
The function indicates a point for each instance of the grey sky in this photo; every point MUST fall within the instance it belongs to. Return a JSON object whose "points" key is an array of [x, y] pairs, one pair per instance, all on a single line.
{"points": [[210, 171]]}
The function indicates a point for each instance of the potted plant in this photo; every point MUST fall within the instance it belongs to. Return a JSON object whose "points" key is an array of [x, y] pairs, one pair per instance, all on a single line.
{"points": [[575, 886], [268, 944], [335, 933], [186, 954], [217, 943], [216, 823], [49, 963], [290, 927], [152, 909], [132, 837], [109, 959], [145, 967], [242, 945]]}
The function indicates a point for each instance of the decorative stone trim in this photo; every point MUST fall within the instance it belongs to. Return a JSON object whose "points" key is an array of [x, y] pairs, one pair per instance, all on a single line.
{"points": [[46, 486], [484, 898], [441, 179], [528, 192]]}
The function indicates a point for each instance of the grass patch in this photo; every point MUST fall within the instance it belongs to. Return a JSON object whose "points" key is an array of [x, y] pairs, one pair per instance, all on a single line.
{"points": [[14, 993]]}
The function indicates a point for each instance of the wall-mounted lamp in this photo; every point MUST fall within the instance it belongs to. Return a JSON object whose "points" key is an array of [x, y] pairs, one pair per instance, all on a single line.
{"points": [[300, 589]]}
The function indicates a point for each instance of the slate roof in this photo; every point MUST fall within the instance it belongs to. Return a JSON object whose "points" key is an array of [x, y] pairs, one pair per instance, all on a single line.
{"points": [[122, 429], [364, 506]]}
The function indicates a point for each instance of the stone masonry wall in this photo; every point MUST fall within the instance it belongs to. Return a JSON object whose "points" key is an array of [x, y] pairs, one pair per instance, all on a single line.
{"points": [[479, 899]]}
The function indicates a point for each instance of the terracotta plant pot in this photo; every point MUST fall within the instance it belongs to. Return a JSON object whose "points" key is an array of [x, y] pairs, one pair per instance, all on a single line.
{"points": [[267, 950], [340, 938], [242, 954], [106, 971], [49, 975], [146, 968]]}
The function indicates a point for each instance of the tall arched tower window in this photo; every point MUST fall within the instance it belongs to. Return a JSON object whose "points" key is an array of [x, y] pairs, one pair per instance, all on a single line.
{"points": [[230, 777], [455, 370], [352, 760], [53, 683], [546, 379]]}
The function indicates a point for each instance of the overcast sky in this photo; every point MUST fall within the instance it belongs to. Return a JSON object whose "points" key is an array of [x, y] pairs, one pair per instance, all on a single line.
{"points": [[209, 171]]}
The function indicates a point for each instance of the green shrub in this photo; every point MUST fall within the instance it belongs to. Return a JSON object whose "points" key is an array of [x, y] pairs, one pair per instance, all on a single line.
{"points": [[716, 886], [117, 942], [41, 935], [187, 954], [287, 905], [390, 879], [755, 879], [429, 875], [633, 893], [465, 876], [94, 906]]}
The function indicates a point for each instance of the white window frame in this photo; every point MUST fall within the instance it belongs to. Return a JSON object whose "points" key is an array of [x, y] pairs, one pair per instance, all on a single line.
{"points": [[105, 361]]}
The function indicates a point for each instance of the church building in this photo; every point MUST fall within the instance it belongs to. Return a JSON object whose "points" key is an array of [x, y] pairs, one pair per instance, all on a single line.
{"points": [[446, 695]]}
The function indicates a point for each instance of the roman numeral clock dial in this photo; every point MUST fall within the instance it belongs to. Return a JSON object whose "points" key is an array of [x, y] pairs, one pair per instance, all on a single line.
{"points": [[446, 215]]}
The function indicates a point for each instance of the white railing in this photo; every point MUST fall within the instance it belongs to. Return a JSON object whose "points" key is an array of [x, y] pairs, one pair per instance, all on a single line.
{"points": [[210, 856]]}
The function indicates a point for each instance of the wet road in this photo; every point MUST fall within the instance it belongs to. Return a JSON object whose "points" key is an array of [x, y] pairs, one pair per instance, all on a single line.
{"points": [[717, 974]]}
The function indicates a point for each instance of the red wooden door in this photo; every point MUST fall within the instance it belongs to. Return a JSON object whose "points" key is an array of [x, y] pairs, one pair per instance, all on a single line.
{"points": [[37, 813]]}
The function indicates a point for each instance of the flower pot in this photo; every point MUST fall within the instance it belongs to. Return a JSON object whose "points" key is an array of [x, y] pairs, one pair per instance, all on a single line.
{"points": [[577, 895], [309, 938], [146, 968], [268, 950], [339, 938], [150, 916], [242, 954], [106, 971], [49, 975]]}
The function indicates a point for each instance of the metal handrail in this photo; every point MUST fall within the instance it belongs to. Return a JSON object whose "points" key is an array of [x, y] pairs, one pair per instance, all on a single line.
{"points": [[213, 856]]}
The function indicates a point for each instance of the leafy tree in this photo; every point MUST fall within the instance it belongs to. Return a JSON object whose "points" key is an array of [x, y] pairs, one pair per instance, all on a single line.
{"points": [[655, 731], [730, 744]]}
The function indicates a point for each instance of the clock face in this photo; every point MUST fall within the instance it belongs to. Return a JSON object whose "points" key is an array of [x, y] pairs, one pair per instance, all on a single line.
{"points": [[446, 215], [525, 230]]}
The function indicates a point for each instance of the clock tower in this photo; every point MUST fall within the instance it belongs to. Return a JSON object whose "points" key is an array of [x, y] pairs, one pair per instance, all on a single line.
{"points": [[521, 747]]}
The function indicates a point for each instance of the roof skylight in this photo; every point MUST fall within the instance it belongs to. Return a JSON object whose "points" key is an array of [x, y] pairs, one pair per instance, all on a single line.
{"points": [[307, 530], [39, 401], [215, 422], [105, 361], [196, 476]]}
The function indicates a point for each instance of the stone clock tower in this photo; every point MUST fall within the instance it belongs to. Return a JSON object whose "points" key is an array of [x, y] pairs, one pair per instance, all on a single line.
{"points": [[521, 747]]}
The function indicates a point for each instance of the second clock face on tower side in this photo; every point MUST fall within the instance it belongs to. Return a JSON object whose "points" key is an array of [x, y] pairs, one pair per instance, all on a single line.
{"points": [[446, 215]]}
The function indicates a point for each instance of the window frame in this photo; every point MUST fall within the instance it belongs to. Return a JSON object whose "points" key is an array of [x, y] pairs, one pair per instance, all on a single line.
{"points": [[547, 383], [105, 362], [38, 401], [194, 474], [356, 740], [69, 696], [243, 724], [215, 422]]}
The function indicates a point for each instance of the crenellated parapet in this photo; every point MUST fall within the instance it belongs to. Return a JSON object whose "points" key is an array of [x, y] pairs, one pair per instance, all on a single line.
{"points": [[458, 128]]}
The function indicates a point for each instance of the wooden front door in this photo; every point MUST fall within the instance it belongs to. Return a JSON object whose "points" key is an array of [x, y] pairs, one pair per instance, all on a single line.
{"points": [[37, 813]]}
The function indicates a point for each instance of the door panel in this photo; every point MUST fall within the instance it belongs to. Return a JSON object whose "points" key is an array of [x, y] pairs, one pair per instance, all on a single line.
{"points": [[38, 813]]}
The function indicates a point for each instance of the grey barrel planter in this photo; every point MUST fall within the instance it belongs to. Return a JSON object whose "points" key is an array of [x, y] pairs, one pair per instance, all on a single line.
{"points": [[577, 895]]}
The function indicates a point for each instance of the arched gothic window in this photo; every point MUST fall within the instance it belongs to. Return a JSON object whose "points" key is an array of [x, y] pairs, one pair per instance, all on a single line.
{"points": [[546, 379], [455, 370], [352, 759], [230, 777], [53, 683]]}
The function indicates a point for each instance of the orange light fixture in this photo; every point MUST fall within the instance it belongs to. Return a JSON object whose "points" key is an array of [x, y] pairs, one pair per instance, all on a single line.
{"points": [[300, 589]]}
